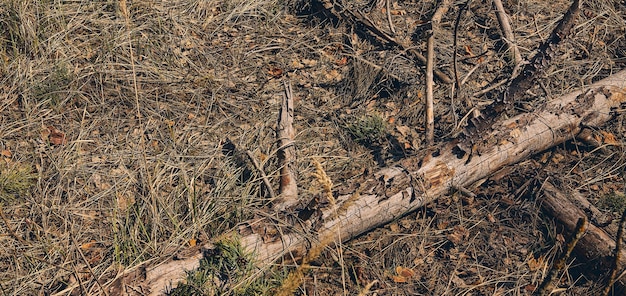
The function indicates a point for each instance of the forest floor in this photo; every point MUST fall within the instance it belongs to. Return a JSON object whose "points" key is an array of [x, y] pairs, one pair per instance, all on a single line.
{"points": [[124, 126]]}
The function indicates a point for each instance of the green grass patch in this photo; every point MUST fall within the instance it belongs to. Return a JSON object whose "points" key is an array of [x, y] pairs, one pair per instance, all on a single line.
{"points": [[15, 179], [368, 129], [615, 202]]}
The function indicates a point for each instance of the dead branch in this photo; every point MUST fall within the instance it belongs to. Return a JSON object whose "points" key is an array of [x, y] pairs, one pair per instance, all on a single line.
{"points": [[388, 8], [414, 182], [545, 54], [286, 153], [505, 26], [430, 106], [430, 65]]}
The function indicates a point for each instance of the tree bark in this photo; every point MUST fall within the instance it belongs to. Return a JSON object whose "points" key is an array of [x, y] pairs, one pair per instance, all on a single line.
{"points": [[378, 198]]}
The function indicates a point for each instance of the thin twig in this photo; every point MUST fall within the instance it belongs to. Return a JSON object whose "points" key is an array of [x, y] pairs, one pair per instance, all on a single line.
{"points": [[377, 67], [93, 275], [430, 117], [490, 88], [457, 85], [266, 181], [430, 65], [549, 282], [616, 256]]}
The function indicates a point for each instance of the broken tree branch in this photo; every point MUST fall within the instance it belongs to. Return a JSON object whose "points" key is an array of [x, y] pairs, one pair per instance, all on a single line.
{"points": [[617, 256], [545, 54], [509, 38], [430, 66], [259, 168], [286, 153], [416, 181]]}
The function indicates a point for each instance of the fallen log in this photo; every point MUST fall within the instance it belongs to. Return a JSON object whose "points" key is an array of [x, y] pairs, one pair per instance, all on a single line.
{"points": [[596, 245], [375, 199]]}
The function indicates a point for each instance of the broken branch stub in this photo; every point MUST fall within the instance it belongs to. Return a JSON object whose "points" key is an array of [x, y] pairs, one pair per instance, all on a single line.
{"points": [[286, 153]]}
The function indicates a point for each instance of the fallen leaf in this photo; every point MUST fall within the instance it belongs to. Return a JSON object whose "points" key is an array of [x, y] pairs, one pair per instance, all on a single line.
{"points": [[342, 62], [405, 272], [397, 12], [193, 242], [535, 264], [6, 153], [88, 245], [56, 137], [609, 138], [275, 72], [398, 279], [459, 233]]}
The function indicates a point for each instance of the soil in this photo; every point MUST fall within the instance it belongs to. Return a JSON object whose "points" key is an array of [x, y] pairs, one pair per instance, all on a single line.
{"points": [[129, 122]]}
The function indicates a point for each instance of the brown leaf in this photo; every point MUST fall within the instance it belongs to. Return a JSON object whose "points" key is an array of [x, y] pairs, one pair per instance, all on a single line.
{"points": [[398, 279], [6, 153], [275, 72], [405, 272], [88, 245], [459, 233], [535, 264], [342, 62], [609, 138], [55, 136]]}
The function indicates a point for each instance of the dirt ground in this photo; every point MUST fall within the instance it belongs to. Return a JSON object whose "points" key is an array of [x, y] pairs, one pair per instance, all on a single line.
{"points": [[124, 126]]}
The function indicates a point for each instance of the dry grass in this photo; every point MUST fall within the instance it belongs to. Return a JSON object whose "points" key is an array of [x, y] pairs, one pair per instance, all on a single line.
{"points": [[149, 94]]}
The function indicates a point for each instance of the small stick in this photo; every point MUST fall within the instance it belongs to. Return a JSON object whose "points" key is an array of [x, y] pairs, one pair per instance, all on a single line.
{"points": [[616, 256], [430, 65], [457, 85], [266, 181], [377, 67], [430, 114], [549, 282], [505, 26]]}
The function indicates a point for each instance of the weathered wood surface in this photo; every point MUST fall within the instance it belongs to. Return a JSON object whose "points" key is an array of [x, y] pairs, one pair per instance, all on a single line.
{"points": [[596, 245], [378, 198]]}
